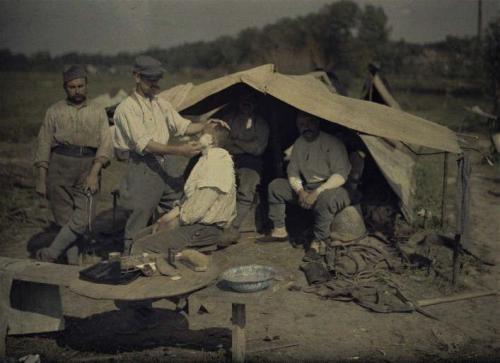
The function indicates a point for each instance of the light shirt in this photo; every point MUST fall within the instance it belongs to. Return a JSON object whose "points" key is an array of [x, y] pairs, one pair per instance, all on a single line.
{"points": [[65, 123], [139, 120], [214, 170], [314, 162], [253, 129]]}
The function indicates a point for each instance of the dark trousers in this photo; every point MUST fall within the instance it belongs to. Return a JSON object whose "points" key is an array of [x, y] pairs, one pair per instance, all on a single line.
{"points": [[145, 184], [194, 235], [248, 170], [69, 203], [72, 208], [328, 204]]}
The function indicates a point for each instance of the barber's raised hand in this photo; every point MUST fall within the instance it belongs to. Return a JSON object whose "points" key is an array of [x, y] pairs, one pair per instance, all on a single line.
{"points": [[189, 149], [219, 122]]}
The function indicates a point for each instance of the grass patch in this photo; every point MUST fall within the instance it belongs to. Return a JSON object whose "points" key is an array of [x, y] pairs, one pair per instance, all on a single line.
{"points": [[25, 98]]}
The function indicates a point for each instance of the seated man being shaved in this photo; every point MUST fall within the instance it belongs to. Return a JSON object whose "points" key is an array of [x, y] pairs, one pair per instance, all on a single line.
{"points": [[208, 205]]}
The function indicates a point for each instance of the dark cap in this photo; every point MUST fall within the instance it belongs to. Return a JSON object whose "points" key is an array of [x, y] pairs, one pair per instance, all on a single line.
{"points": [[148, 67], [73, 72]]}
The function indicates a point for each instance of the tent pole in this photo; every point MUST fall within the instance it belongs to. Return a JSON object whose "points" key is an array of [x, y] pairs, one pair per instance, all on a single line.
{"points": [[463, 202], [445, 190]]}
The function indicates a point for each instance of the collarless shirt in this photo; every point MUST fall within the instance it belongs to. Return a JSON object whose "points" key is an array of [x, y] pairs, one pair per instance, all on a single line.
{"points": [[139, 120], [66, 123], [316, 161]]}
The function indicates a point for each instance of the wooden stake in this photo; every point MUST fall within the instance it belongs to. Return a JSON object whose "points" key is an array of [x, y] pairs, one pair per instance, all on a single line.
{"points": [[238, 320], [453, 298]]}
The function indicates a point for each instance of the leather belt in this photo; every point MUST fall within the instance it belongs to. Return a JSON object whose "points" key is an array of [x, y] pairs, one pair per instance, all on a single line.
{"points": [[74, 150]]}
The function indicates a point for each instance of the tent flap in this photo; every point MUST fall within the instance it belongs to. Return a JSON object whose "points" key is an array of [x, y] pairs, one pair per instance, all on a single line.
{"points": [[397, 165]]}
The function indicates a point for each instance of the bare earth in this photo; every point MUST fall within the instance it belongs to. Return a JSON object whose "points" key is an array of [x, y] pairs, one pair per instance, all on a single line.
{"points": [[303, 326]]}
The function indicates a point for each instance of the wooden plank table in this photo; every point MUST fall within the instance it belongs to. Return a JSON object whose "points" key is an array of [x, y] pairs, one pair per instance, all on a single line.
{"points": [[30, 298], [149, 288], [35, 287]]}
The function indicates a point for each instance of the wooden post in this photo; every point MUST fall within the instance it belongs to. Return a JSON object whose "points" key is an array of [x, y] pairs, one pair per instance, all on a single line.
{"points": [[456, 260], [115, 204], [5, 285], [463, 202], [445, 189], [238, 320]]}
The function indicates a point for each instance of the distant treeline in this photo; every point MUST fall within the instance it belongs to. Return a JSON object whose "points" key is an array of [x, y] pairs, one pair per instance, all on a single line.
{"points": [[341, 37]]}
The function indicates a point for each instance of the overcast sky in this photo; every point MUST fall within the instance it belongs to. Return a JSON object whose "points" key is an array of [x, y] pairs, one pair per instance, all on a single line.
{"points": [[110, 26]]}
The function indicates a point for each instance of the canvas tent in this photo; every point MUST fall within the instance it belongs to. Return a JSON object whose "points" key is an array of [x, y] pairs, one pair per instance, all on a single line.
{"points": [[385, 131]]}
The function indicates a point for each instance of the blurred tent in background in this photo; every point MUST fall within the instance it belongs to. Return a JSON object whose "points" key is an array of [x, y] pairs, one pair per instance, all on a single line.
{"points": [[376, 88], [111, 98]]}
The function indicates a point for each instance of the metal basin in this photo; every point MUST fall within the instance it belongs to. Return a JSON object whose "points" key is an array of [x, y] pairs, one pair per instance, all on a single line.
{"points": [[249, 278]]}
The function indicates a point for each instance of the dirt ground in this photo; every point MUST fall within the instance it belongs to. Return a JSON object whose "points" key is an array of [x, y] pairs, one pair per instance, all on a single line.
{"points": [[302, 326]]}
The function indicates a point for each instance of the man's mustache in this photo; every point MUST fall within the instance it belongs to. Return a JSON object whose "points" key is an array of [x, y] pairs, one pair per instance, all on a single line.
{"points": [[306, 130]]}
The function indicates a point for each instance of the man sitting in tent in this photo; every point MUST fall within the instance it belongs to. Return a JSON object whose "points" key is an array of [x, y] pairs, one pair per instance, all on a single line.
{"points": [[247, 142], [318, 168], [208, 205]]}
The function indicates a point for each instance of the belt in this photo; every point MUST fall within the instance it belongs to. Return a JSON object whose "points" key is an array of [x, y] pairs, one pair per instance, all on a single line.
{"points": [[74, 150]]}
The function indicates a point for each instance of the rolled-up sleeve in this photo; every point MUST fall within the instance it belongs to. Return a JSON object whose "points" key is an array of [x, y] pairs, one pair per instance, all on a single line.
{"points": [[130, 130], [45, 137], [293, 167], [105, 149], [175, 122]]}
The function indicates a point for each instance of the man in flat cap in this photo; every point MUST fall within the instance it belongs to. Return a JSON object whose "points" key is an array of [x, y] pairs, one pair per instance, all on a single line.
{"points": [[144, 124], [74, 144]]}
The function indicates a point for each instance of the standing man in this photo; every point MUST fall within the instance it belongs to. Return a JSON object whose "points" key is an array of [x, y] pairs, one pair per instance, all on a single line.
{"points": [[74, 144], [144, 123], [247, 142], [318, 168]]}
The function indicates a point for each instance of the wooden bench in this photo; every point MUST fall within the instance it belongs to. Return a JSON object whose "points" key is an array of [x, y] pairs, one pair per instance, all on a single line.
{"points": [[30, 298]]}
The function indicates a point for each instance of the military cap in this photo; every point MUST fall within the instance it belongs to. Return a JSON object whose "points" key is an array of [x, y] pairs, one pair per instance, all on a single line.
{"points": [[73, 72], [148, 67]]}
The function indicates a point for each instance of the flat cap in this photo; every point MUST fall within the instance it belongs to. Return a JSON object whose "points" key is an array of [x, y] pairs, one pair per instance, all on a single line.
{"points": [[73, 72], [148, 67]]}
